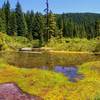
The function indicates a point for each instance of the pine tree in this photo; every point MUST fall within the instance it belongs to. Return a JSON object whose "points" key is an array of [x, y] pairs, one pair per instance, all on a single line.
{"points": [[6, 9], [59, 23], [52, 26], [12, 25], [20, 21], [2, 21], [97, 28], [38, 28], [30, 22], [2, 28], [64, 26]]}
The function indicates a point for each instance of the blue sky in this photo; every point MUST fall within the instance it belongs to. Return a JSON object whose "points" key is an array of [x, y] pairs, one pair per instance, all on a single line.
{"points": [[59, 6]]}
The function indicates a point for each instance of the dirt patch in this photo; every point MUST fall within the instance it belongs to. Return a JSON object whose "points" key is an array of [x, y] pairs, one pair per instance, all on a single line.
{"points": [[10, 91]]}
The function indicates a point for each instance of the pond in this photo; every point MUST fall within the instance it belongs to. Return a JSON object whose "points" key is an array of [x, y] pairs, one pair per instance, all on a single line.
{"points": [[38, 60], [59, 62]]}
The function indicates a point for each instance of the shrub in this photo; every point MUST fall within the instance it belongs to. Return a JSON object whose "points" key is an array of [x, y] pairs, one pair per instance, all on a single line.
{"points": [[13, 42]]}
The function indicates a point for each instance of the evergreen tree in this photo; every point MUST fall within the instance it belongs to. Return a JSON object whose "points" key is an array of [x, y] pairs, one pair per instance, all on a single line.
{"points": [[20, 21], [64, 26], [59, 23], [30, 22], [6, 9], [97, 28], [38, 28], [2, 25], [12, 25], [52, 26], [2, 21]]}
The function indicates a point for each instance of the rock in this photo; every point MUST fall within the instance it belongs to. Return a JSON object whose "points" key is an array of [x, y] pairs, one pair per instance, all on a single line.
{"points": [[10, 91]]}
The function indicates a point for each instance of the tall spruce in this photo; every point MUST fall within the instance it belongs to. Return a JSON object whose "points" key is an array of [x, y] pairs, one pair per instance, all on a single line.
{"points": [[97, 28], [52, 26], [20, 21], [38, 28], [13, 26], [64, 25], [2, 21], [30, 22], [6, 9]]}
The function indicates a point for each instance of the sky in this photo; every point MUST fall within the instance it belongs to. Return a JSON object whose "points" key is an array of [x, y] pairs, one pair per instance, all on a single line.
{"points": [[58, 6]]}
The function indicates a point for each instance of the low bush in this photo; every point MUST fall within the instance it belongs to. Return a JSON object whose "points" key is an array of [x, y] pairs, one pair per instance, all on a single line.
{"points": [[13, 42]]}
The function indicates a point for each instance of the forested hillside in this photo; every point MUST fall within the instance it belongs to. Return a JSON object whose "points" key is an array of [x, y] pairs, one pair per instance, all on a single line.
{"points": [[15, 22], [79, 24]]}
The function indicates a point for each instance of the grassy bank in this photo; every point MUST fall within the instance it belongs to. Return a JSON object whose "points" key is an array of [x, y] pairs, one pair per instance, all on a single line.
{"points": [[14, 42], [75, 44], [56, 44], [53, 86], [33, 81]]}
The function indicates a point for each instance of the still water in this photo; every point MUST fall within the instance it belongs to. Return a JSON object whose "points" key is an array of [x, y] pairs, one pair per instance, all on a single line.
{"points": [[59, 62], [38, 60], [71, 72]]}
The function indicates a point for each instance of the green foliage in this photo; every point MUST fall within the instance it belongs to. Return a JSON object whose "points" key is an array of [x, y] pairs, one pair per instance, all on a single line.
{"points": [[36, 43], [52, 27], [20, 21], [75, 44], [81, 25], [97, 27], [6, 9], [38, 28], [29, 17], [33, 26], [2, 25], [2, 21], [20, 42], [13, 24], [14, 42]]}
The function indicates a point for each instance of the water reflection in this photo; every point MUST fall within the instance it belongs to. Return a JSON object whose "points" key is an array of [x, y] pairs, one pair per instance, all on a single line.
{"points": [[70, 72], [36, 60]]}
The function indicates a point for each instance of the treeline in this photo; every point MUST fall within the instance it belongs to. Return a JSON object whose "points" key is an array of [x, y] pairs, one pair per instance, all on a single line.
{"points": [[32, 25], [82, 25]]}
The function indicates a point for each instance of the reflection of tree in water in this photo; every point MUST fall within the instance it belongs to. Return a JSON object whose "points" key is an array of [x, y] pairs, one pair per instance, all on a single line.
{"points": [[0, 46], [97, 49], [50, 61]]}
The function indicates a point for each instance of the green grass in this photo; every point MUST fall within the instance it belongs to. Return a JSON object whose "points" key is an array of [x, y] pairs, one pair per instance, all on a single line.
{"points": [[76, 44], [15, 42], [54, 86], [33, 81], [91, 72]]}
